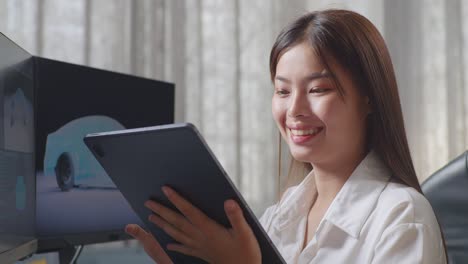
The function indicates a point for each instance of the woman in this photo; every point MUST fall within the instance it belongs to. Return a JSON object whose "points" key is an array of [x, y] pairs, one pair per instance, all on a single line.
{"points": [[336, 105]]}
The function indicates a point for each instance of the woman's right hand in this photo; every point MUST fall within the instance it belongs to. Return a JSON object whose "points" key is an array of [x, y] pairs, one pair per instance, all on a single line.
{"points": [[150, 244]]}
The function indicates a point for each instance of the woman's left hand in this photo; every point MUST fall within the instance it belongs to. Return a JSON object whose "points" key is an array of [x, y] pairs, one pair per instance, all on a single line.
{"points": [[202, 237]]}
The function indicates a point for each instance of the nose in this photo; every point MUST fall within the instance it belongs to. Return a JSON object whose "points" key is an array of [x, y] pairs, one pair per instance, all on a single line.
{"points": [[299, 105]]}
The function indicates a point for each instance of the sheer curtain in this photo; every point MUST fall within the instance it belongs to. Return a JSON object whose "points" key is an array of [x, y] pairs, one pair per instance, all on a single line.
{"points": [[428, 41], [216, 51]]}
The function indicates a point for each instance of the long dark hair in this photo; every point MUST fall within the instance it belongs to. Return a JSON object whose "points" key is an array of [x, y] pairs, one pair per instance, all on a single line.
{"points": [[354, 43]]}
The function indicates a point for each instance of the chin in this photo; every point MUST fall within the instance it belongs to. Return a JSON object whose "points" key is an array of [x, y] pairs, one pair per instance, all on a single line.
{"points": [[303, 156]]}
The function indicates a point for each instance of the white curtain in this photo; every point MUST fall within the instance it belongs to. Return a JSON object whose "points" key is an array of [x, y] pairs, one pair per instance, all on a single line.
{"points": [[428, 41], [216, 51]]}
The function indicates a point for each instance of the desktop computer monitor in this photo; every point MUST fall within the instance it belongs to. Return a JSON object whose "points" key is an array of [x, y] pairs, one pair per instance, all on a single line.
{"points": [[17, 176], [76, 202]]}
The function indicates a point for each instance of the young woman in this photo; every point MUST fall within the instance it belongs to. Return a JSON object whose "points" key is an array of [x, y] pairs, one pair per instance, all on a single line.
{"points": [[336, 105]]}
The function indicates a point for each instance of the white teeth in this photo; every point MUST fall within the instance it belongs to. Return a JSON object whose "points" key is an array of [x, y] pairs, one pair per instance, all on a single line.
{"points": [[298, 132]]}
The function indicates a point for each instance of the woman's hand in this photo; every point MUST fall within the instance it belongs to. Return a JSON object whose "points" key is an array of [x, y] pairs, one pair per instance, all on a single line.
{"points": [[151, 246], [200, 236]]}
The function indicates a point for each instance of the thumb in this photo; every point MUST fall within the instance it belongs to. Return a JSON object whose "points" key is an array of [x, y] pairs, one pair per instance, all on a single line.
{"points": [[237, 220], [150, 244]]}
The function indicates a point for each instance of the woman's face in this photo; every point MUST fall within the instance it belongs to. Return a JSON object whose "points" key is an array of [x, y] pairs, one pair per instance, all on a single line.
{"points": [[319, 125]]}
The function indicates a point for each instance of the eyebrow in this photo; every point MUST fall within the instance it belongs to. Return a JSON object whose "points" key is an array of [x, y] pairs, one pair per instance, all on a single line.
{"points": [[311, 77]]}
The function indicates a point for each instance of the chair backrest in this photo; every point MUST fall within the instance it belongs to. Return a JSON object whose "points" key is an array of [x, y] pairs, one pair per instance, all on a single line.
{"points": [[447, 191]]}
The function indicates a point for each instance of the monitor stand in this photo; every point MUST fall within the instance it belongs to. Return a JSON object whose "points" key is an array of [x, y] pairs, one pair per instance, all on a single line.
{"points": [[69, 254]]}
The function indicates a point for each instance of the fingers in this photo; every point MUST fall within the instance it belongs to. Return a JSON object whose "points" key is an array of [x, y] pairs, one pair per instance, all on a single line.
{"points": [[193, 214], [139, 234], [172, 231], [151, 246], [237, 220], [184, 250], [175, 219]]}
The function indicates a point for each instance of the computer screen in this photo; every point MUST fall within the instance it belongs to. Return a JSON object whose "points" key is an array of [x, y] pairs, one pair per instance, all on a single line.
{"points": [[77, 203], [17, 177]]}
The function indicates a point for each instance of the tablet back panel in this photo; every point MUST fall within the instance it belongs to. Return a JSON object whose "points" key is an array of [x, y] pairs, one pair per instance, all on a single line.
{"points": [[141, 161]]}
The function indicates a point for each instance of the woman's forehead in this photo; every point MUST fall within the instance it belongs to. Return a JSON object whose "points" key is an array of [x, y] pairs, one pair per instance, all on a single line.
{"points": [[300, 53], [299, 61]]}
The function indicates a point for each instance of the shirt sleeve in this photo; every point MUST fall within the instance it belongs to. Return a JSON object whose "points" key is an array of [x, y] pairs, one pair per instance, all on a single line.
{"points": [[409, 243]]}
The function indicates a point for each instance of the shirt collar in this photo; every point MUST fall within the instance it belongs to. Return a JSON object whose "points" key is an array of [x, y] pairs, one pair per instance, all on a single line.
{"points": [[357, 198], [297, 201], [352, 205]]}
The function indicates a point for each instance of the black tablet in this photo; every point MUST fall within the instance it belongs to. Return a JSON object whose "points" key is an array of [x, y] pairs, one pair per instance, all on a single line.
{"points": [[141, 161]]}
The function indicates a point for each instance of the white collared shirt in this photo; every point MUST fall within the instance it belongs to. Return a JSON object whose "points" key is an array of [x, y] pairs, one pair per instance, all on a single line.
{"points": [[372, 219]]}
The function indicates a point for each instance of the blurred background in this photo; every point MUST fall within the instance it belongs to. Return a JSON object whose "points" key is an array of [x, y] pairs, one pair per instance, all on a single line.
{"points": [[216, 52]]}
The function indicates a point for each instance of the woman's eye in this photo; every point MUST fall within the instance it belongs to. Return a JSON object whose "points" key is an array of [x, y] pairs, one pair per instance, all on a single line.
{"points": [[319, 90], [282, 92]]}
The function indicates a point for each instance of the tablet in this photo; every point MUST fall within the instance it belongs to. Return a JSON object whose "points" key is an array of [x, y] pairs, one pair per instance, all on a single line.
{"points": [[141, 161]]}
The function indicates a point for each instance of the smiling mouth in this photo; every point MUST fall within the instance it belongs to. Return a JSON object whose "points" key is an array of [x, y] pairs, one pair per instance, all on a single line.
{"points": [[308, 132], [299, 136]]}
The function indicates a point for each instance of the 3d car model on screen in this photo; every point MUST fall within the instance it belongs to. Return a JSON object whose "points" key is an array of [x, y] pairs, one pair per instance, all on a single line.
{"points": [[68, 158]]}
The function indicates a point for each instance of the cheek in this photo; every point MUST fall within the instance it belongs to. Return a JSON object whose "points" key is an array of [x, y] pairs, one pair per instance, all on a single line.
{"points": [[340, 117], [278, 110], [327, 110]]}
